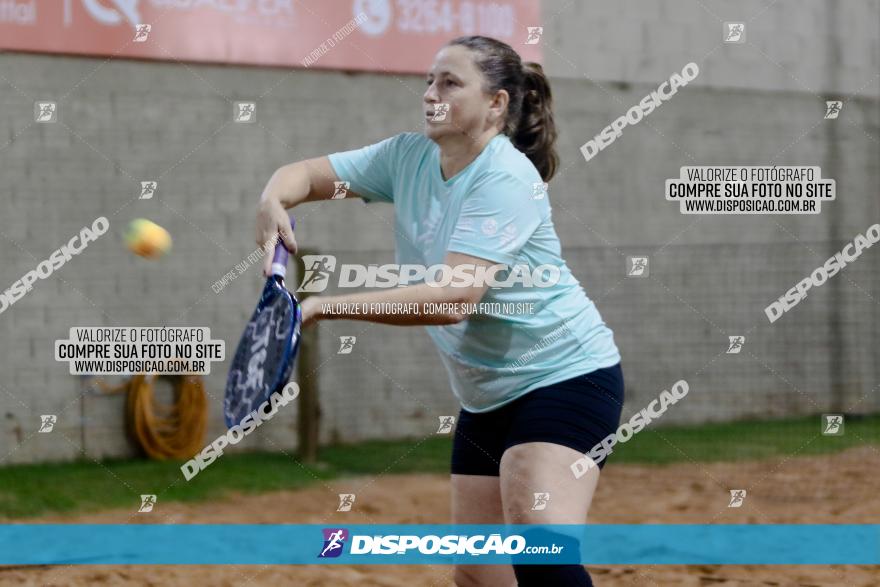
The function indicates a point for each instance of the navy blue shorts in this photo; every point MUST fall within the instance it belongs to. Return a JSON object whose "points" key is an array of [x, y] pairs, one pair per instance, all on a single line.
{"points": [[577, 413]]}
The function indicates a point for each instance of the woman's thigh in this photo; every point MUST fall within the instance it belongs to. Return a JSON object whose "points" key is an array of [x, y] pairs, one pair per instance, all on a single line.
{"points": [[476, 499], [551, 429], [538, 487]]}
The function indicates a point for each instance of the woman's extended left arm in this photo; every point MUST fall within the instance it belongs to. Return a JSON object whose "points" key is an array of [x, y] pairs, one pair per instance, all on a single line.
{"points": [[378, 306]]}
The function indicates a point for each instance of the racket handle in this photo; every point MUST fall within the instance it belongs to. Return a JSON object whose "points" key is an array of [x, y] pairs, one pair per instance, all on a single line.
{"points": [[279, 261]]}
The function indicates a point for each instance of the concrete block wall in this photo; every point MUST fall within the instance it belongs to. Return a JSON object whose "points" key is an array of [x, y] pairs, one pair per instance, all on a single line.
{"points": [[805, 46], [711, 276]]}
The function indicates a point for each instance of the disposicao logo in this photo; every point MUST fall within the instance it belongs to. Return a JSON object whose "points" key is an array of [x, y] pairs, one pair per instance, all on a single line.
{"points": [[334, 542]]}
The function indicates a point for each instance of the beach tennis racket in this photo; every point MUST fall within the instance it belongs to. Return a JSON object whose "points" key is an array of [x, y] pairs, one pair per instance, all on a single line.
{"points": [[265, 355]]}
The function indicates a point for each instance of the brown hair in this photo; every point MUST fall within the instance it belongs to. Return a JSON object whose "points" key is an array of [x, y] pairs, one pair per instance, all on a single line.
{"points": [[529, 122]]}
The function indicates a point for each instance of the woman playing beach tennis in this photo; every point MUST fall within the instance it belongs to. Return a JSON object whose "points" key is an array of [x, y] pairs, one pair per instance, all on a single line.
{"points": [[539, 388]]}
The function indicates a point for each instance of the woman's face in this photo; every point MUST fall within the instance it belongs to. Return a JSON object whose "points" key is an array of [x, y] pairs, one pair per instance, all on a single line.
{"points": [[455, 80]]}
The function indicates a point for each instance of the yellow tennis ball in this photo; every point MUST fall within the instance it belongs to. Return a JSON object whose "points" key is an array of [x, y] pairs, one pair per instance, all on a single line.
{"points": [[147, 239]]}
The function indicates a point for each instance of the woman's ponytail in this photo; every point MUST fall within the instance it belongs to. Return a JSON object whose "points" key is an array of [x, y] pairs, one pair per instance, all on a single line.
{"points": [[535, 133], [529, 122]]}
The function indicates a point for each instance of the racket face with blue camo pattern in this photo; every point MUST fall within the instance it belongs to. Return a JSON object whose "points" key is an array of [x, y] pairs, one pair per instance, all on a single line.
{"points": [[265, 355]]}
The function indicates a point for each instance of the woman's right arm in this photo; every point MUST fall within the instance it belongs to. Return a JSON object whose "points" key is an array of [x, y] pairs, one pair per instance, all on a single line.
{"points": [[303, 181]]}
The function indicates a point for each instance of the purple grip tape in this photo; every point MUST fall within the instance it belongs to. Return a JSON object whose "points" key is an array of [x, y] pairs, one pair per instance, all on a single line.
{"points": [[279, 261]]}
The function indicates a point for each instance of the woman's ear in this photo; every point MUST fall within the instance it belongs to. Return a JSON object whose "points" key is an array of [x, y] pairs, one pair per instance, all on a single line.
{"points": [[498, 105]]}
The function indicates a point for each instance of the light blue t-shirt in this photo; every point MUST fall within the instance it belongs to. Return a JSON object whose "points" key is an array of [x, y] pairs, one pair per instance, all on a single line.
{"points": [[493, 210]]}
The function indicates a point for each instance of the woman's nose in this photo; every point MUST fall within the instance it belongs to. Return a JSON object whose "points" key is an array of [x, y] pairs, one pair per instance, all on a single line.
{"points": [[431, 94]]}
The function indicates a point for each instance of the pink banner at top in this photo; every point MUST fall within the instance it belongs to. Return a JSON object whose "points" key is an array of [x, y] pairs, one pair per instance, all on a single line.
{"points": [[371, 35]]}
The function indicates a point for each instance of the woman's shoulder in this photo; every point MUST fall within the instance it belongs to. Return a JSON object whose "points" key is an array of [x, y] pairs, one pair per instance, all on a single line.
{"points": [[408, 144], [411, 139], [509, 162]]}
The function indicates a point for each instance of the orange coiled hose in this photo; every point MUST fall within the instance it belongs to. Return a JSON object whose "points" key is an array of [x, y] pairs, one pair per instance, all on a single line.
{"points": [[174, 431]]}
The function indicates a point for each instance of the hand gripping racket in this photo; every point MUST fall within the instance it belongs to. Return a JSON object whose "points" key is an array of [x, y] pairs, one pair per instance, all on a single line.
{"points": [[264, 357]]}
